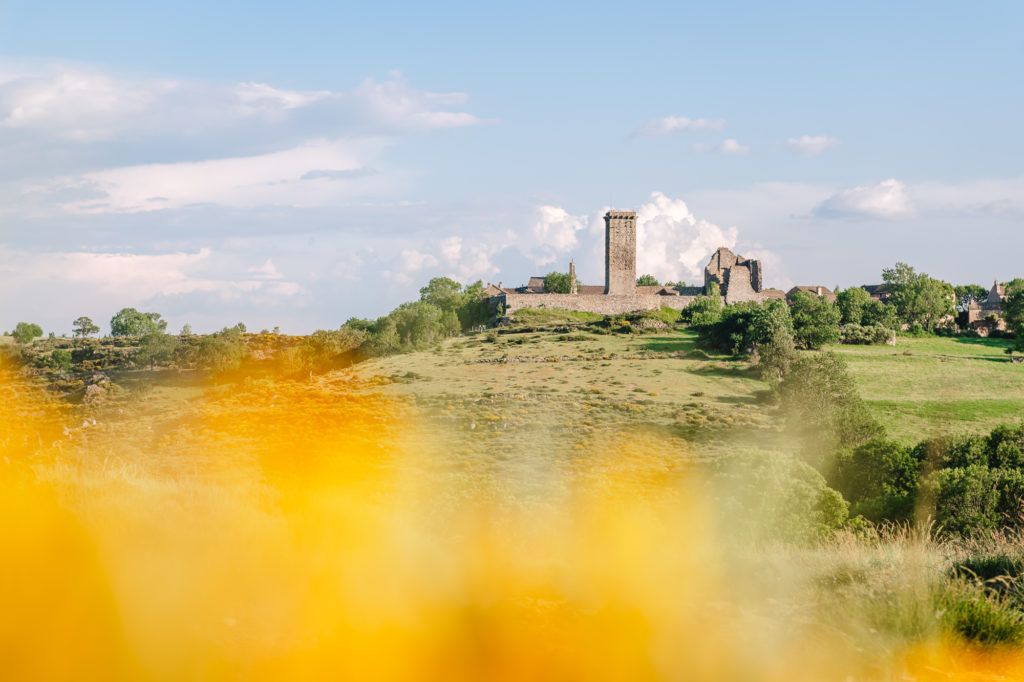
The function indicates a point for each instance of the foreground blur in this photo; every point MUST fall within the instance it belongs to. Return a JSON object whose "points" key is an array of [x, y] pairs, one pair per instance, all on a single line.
{"points": [[293, 531]]}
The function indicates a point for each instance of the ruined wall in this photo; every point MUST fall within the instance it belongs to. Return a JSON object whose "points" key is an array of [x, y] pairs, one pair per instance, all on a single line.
{"points": [[620, 252], [601, 305]]}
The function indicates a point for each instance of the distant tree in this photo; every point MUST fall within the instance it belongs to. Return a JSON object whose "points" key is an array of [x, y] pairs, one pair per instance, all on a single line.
{"points": [[851, 304], [156, 347], [556, 283], [815, 320], [443, 292], [323, 350], [1013, 312], [83, 327], [240, 327], [680, 283], [918, 298], [131, 322], [966, 293], [647, 281], [771, 336], [186, 330], [25, 332], [881, 314]]}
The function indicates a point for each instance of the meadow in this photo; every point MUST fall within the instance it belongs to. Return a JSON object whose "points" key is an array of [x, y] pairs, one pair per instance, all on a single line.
{"points": [[527, 505]]}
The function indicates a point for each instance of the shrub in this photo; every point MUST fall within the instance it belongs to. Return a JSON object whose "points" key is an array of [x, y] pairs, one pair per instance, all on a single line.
{"points": [[979, 615], [773, 496], [879, 478], [131, 322], [864, 334], [966, 499], [61, 359], [820, 402]]}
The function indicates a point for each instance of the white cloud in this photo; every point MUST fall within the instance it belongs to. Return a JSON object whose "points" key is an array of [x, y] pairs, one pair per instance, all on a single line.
{"points": [[729, 146], [277, 178], [266, 271], [887, 199], [810, 146], [674, 124], [136, 278], [80, 104], [673, 244]]}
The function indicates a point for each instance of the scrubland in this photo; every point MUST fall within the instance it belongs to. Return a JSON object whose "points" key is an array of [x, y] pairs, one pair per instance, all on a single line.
{"points": [[549, 504]]}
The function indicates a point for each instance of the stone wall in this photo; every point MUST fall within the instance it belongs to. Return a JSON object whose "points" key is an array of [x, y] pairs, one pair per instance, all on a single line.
{"points": [[601, 305]]}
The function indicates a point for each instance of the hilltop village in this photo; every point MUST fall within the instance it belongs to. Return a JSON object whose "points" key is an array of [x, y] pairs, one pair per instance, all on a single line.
{"points": [[738, 280]]}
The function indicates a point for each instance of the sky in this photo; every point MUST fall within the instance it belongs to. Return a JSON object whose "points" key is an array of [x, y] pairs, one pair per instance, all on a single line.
{"points": [[296, 164]]}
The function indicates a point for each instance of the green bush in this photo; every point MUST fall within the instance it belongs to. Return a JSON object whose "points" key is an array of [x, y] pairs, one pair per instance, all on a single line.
{"points": [[879, 478], [815, 321], [773, 496], [25, 332], [60, 359], [966, 500], [864, 334]]}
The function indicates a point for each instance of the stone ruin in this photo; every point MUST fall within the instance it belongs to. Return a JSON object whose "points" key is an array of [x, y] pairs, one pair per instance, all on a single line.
{"points": [[738, 279]]}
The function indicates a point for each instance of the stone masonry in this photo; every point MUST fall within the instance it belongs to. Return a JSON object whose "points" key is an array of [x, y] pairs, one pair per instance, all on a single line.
{"points": [[739, 279], [619, 253]]}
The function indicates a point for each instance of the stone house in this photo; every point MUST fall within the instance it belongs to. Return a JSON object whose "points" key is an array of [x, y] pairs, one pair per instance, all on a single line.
{"points": [[987, 315]]}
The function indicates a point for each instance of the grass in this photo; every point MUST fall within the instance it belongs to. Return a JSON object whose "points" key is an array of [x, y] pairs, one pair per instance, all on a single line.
{"points": [[934, 385], [544, 316], [532, 495]]}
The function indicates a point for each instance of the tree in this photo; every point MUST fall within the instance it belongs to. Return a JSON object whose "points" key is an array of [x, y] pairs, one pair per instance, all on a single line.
{"points": [[156, 347], [83, 327], [878, 313], [771, 336], [60, 359], [851, 304], [131, 322], [917, 297], [704, 311], [24, 332], [443, 292], [220, 352], [186, 330], [966, 293], [556, 283], [1013, 312], [647, 281], [815, 320]]}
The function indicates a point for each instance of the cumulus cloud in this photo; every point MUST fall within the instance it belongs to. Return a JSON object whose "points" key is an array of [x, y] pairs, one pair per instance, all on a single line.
{"points": [[729, 146], [669, 125], [807, 145], [672, 243], [887, 199]]}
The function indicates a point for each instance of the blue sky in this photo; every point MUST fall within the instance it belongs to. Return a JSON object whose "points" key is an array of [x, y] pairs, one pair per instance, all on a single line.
{"points": [[299, 164]]}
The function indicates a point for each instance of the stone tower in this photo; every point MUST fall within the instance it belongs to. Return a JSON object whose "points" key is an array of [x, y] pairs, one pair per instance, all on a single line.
{"points": [[620, 252], [573, 284]]}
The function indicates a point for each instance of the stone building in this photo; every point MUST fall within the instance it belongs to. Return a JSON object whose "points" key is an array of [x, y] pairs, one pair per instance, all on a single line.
{"points": [[739, 279], [820, 292], [988, 314]]}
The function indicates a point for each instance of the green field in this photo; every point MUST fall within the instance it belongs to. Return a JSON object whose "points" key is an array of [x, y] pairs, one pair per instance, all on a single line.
{"points": [[575, 383]]}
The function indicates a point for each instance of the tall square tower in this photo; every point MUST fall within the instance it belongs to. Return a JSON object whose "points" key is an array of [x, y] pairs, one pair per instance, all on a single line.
{"points": [[620, 252]]}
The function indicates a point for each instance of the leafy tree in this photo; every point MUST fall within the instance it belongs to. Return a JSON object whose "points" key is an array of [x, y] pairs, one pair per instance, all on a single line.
{"points": [[324, 350], [647, 281], [156, 347], [771, 336], [815, 321], [556, 283], [1013, 312], [25, 332], [240, 327], [680, 283], [131, 322], [443, 292], [918, 298], [880, 478], [820, 402], [851, 304], [965, 293], [876, 313], [704, 311], [84, 327], [186, 330]]}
